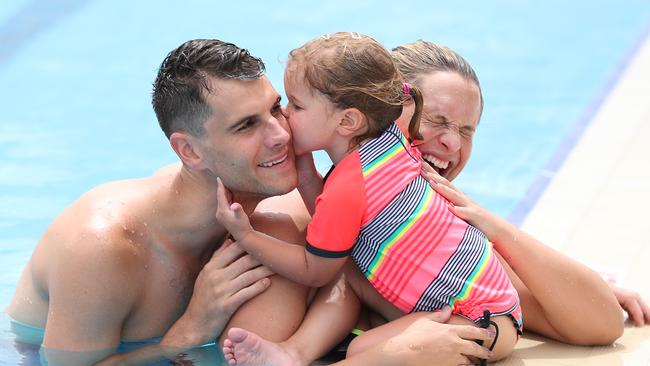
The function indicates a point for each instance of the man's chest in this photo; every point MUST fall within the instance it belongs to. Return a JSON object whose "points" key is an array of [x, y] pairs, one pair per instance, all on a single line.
{"points": [[165, 294]]}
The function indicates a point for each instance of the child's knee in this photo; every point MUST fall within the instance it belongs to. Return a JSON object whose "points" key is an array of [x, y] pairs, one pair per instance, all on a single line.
{"points": [[507, 339], [357, 345]]}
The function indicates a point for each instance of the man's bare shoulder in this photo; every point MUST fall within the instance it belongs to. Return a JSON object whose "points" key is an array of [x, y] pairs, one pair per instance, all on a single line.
{"points": [[107, 225], [95, 246], [111, 208]]}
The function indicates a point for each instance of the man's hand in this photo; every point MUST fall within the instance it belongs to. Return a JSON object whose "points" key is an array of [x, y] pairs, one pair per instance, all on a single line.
{"points": [[227, 281], [231, 215]]}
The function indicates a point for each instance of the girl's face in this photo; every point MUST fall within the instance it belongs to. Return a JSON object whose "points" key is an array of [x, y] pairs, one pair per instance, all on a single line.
{"points": [[452, 108], [309, 113]]}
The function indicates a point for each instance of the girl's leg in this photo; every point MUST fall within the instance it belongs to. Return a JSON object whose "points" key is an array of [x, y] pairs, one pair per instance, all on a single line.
{"points": [[330, 317], [368, 294]]}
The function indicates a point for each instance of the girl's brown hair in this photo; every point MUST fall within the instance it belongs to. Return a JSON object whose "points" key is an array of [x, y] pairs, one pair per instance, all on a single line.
{"points": [[355, 71]]}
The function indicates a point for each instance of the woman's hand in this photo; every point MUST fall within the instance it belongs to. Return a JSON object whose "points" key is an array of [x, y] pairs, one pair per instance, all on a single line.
{"points": [[637, 309], [461, 205], [428, 339]]}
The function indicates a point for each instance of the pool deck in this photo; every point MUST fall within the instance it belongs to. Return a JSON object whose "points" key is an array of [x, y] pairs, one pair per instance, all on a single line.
{"points": [[590, 211]]}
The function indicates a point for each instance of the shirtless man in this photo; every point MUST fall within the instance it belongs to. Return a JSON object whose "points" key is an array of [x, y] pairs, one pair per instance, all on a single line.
{"points": [[121, 262], [141, 259]]}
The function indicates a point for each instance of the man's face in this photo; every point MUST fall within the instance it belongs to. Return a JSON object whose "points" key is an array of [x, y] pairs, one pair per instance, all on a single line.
{"points": [[452, 108], [247, 143]]}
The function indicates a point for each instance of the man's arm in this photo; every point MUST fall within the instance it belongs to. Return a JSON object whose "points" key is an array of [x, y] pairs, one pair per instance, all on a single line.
{"points": [[227, 281], [92, 287]]}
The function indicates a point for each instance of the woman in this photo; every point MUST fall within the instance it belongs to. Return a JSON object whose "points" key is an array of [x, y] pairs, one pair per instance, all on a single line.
{"points": [[554, 304]]}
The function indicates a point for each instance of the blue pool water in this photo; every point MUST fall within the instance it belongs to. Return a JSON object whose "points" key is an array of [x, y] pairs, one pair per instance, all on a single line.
{"points": [[76, 75]]}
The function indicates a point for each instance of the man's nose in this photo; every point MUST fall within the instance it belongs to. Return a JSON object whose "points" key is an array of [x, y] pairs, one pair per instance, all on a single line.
{"points": [[277, 133]]}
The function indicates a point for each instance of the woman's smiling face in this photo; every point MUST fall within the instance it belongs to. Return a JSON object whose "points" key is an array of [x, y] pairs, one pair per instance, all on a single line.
{"points": [[451, 112]]}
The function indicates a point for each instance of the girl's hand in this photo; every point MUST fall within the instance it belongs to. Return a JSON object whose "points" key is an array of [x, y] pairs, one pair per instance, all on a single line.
{"points": [[461, 205], [231, 215], [307, 172]]}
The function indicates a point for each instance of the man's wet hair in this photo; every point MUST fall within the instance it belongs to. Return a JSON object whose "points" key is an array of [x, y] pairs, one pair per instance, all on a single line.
{"points": [[182, 84]]}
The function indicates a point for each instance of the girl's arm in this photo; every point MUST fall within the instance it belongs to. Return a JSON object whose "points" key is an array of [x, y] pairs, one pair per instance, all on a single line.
{"points": [[289, 260], [310, 182], [561, 298]]}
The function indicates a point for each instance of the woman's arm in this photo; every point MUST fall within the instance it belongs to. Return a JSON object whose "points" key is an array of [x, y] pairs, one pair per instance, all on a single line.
{"points": [[561, 298]]}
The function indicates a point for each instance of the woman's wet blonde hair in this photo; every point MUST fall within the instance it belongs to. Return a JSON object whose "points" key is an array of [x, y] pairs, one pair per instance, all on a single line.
{"points": [[355, 71], [421, 58]]}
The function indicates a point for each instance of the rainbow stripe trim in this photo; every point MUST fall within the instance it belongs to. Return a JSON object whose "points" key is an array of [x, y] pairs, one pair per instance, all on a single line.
{"points": [[470, 283], [385, 247]]}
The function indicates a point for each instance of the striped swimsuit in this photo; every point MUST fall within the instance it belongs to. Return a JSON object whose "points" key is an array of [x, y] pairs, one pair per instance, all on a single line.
{"points": [[376, 207]]}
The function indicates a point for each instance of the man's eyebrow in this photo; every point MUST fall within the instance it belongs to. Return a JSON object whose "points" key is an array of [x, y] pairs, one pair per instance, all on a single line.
{"points": [[242, 121], [245, 119]]}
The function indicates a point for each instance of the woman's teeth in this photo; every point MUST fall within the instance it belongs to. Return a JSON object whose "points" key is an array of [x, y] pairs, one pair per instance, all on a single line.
{"points": [[435, 162]]}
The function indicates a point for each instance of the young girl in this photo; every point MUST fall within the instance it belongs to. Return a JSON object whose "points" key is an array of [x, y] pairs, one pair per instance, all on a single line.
{"points": [[344, 95]]}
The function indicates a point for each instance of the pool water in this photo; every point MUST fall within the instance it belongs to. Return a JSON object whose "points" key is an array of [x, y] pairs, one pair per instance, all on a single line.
{"points": [[76, 81]]}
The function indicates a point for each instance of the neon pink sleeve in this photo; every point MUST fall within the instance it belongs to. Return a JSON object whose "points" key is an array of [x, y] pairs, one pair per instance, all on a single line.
{"points": [[339, 212]]}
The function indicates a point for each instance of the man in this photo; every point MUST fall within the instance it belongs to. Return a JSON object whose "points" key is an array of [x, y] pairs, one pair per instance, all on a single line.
{"points": [[141, 259], [121, 262]]}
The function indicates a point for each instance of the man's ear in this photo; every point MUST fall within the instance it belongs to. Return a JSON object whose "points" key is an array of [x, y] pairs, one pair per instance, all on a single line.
{"points": [[352, 122], [185, 147]]}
